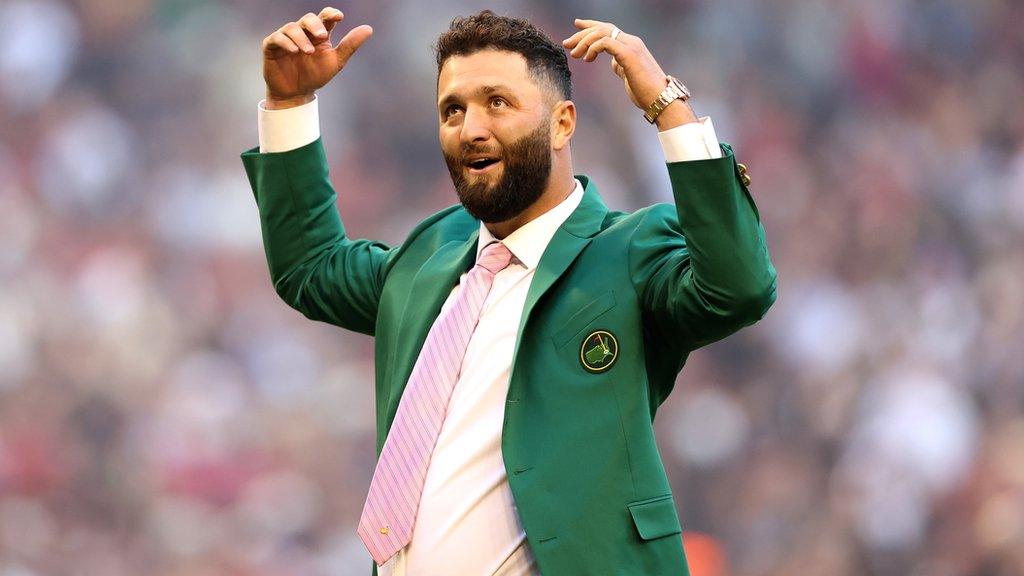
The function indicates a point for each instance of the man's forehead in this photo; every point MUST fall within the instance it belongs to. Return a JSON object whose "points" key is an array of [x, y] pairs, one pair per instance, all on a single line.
{"points": [[484, 68]]}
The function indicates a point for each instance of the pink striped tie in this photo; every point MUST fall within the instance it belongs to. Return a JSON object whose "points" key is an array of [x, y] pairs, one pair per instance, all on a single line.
{"points": [[390, 510]]}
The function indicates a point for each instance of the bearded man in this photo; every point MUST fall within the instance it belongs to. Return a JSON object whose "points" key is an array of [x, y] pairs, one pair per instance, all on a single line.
{"points": [[525, 337]]}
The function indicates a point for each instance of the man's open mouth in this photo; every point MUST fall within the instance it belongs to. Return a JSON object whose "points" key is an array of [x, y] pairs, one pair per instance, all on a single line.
{"points": [[481, 164]]}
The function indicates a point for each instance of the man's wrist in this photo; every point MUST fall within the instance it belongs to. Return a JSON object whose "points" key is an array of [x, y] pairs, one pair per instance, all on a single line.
{"points": [[675, 114], [272, 103]]}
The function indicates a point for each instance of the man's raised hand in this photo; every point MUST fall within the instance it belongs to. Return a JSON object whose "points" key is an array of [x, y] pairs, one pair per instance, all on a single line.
{"points": [[632, 62], [298, 58]]}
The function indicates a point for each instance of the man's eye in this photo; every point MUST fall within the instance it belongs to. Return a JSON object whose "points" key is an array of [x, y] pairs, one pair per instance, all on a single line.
{"points": [[451, 110], [498, 102]]}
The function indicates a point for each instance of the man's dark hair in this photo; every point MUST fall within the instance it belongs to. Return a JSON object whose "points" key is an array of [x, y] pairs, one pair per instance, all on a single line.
{"points": [[545, 60]]}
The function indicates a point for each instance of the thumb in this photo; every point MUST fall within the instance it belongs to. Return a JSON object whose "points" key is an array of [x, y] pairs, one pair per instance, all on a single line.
{"points": [[348, 45]]}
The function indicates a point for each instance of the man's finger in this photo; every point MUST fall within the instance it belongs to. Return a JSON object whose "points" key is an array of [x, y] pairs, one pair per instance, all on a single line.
{"points": [[330, 11], [584, 44], [581, 23], [330, 18], [571, 41], [294, 31], [348, 45], [315, 28], [618, 70], [279, 41], [606, 44]]}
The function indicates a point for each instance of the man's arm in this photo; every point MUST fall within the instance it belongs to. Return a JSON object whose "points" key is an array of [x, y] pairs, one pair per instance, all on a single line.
{"points": [[702, 272], [314, 266]]}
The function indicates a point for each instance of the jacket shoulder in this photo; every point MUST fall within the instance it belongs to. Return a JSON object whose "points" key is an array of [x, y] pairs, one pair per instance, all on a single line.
{"points": [[655, 216]]}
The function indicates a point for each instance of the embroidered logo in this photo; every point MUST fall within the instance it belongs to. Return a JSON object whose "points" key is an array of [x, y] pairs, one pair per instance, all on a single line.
{"points": [[599, 351]]}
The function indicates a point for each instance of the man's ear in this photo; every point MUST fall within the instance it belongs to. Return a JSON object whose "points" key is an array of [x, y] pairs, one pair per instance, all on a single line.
{"points": [[563, 124]]}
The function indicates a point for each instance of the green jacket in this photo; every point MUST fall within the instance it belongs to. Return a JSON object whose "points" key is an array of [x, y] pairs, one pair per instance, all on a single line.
{"points": [[578, 444]]}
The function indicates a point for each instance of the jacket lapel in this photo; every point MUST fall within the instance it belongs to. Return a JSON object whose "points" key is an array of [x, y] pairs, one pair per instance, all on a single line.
{"points": [[569, 240]]}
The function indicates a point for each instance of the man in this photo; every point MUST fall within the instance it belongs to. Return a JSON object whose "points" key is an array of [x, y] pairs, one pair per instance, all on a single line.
{"points": [[525, 338]]}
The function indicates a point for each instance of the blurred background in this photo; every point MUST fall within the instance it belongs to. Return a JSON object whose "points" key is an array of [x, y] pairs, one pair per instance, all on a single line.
{"points": [[163, 412]]}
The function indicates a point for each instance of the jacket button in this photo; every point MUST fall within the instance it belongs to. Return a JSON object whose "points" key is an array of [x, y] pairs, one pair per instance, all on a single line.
{"points": [[744, 177]]}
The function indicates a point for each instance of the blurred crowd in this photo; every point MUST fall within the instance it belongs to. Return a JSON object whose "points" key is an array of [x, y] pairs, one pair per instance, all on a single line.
{"points": [[163, 413]]}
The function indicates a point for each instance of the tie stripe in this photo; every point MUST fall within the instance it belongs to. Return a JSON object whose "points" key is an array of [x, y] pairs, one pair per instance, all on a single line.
{"points": [[389, 514]]}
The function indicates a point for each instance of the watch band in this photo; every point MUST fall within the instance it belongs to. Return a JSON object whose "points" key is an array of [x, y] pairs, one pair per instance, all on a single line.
{"points": [[674, 90]]}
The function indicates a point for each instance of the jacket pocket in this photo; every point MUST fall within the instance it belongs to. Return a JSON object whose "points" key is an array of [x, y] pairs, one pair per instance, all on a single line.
{"points": [[655, 517], [587, 314]]}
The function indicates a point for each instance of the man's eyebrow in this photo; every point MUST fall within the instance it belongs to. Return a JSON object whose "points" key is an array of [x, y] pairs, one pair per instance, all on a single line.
{"points": [[481, 91]]}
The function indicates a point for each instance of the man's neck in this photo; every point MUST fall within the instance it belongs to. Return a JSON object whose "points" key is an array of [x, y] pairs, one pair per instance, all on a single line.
{"points": [[560, 186]]}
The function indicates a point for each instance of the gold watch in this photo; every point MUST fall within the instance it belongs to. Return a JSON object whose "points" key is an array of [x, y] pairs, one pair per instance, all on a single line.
{"points": [[674, 90]]}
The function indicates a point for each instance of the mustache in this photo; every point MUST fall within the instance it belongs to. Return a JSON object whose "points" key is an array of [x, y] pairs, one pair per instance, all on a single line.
{"points": [[467, 151]]}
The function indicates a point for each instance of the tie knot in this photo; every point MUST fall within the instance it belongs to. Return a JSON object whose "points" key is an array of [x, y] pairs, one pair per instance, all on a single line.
{"points": [[495, 257]]}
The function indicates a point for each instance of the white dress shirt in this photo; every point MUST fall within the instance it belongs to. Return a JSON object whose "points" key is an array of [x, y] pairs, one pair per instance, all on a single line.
{"points": [[467, 522]]}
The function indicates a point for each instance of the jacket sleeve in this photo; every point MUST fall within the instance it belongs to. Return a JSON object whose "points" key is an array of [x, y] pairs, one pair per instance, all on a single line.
{"points": [[314, 266], [702, 271]]}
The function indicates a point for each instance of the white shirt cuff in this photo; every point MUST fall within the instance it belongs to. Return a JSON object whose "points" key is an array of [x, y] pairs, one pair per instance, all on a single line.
{"points": [[690, 141], [290, 128]]}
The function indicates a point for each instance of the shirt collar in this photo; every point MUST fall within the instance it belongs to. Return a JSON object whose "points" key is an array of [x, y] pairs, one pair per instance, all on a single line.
{"points": [[528, 242]]}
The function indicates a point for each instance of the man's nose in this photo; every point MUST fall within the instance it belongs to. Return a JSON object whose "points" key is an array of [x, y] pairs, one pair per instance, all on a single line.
{"points": [[475, 127]]}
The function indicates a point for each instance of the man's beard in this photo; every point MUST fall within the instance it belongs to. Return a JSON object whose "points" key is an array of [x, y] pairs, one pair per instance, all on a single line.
{"points": [[526, 167]]}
